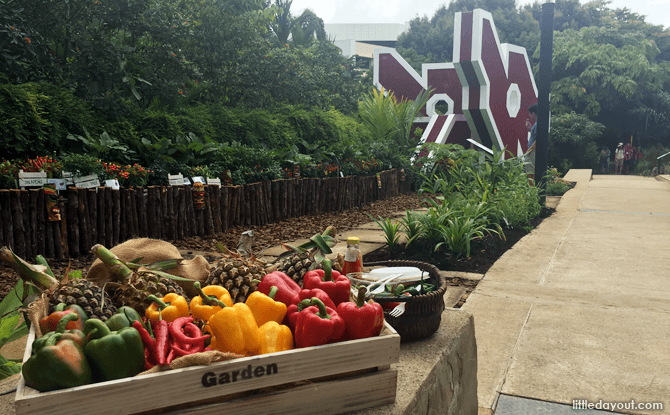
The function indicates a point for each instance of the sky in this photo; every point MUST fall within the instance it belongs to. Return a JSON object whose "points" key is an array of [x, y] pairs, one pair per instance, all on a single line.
{"points": [[657, 12]]}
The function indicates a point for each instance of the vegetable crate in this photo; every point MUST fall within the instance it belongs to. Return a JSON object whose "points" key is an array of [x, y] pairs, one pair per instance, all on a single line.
{"points": [[330, 379]]}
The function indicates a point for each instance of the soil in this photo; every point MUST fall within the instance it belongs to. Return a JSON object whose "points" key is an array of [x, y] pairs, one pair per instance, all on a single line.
{"points": [[484, 252]]}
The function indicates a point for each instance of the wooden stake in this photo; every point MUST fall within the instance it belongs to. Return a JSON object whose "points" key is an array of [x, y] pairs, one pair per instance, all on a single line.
{"points": [[225, 208], [109, 218], [190, 211], [19, 231], [116, 226], [60, 232], [208, 221], [179, 212], [170, 219], [38, 206], [100, 202], [73, 221], [92, 207], [215, 198]]}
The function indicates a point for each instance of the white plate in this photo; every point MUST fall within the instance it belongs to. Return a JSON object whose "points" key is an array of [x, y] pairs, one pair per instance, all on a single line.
{"points": [[409, 274]]}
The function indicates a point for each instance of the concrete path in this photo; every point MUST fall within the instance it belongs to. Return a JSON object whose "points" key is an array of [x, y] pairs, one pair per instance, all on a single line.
{"points": [[580, 308]]}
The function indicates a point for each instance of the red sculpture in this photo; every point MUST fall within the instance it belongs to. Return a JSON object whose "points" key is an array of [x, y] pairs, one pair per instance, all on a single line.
{"points": [[488, 87]]}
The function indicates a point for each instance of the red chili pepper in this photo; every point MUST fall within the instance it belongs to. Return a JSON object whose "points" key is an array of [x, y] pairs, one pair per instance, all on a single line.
{"points": [[178, 335], [146, 338], [360, 319], [147, 359], [161, 341], [170, 356]]}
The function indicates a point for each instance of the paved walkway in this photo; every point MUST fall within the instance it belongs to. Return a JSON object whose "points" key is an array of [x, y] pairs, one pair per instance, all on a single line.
{"points": [[580, 308]]}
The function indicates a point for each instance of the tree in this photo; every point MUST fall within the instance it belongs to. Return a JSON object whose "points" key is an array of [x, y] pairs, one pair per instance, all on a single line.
{"points": [[302, 30], [572, 142]]}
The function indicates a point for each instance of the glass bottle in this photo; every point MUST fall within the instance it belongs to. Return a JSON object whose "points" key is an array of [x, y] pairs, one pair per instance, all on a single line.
{"points": [[353, 258]]}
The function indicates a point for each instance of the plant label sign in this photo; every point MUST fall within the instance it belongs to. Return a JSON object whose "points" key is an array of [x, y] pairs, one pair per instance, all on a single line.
{"points": [[114, 184], [37, 179], [68, 177], [198, 179], [175, 179], [59, 183], [186, 181], [214, 181], [87, 182]]}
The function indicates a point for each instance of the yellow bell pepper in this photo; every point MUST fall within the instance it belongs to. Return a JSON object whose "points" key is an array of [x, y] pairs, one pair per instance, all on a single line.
{"points": [[170, 308], [265, 308], [235, 330], [206, 304], [275, 338]]}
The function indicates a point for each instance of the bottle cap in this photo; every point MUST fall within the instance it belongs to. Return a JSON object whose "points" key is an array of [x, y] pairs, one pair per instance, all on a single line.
{"points": [[353, 240]]}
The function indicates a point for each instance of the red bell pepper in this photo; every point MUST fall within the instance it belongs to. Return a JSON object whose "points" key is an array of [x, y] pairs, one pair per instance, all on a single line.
{"points": [[292, 311], [360, 319], [317, 325], [50, 322], [286, 287], [336, 285]]}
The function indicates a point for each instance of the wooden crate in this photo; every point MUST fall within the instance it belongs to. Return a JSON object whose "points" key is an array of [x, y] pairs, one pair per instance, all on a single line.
{"points": [[329, 379]]}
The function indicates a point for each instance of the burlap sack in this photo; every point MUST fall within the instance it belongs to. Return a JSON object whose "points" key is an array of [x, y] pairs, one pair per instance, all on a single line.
{"points": [[37, 310], [153, 250]]}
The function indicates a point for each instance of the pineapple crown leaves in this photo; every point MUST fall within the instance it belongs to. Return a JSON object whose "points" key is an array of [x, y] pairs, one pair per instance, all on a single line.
{"points": [[319, 244], [163, 274]]}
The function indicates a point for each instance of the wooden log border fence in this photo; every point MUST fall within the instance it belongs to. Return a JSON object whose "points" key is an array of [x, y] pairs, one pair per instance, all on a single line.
{"points": [[109, 217]]}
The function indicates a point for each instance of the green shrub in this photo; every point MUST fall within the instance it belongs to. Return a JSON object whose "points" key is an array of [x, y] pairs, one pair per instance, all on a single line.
{"points": [[36, 118], [82, 165]]}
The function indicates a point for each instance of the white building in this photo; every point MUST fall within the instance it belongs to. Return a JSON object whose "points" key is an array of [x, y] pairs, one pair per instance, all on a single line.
{"points": [[360, 40]]}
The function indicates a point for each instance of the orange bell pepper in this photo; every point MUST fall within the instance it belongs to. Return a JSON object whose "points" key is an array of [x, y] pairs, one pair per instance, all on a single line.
{"points": [[207, 303], [169, 308], [275, 338], [265, 308], [235, 330]]}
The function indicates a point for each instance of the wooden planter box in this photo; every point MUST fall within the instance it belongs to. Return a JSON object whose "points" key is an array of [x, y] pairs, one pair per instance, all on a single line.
{"points": [[329, 379]]}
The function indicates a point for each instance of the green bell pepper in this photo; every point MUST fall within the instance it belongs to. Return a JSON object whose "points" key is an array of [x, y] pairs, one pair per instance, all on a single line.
{"points": [[113, 354], [57, 363], [123, 318]]}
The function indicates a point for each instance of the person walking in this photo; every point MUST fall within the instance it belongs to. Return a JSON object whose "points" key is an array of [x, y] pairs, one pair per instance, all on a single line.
{"points": [[604, 160], [618, 159], [628, 153], [531, 125]]}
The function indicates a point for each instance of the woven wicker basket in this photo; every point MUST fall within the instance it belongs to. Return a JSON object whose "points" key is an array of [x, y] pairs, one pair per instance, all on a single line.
{"points": [[423, 313]]}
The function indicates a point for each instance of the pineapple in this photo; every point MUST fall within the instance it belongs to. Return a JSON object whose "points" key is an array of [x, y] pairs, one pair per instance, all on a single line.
{"points": [[297, 260], [135, 292], [240, 276], [85, 294], [133, 288], [296, 265]]}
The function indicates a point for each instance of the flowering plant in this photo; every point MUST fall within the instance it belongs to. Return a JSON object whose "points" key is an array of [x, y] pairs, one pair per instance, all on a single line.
{"points": [[48, 164], [130, 176]]}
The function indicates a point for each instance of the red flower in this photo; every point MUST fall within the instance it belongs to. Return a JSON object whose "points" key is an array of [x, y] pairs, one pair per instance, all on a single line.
{"points": [[28, 40]]}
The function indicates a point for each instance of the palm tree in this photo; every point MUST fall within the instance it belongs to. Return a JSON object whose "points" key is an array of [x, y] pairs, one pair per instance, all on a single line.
{"points": [[302, 29]]}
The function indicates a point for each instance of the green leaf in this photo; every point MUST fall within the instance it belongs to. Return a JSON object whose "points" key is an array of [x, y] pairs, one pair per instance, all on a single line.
{"points": [[16, 333], [75, 275], [321, 243], [12, 301]]}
